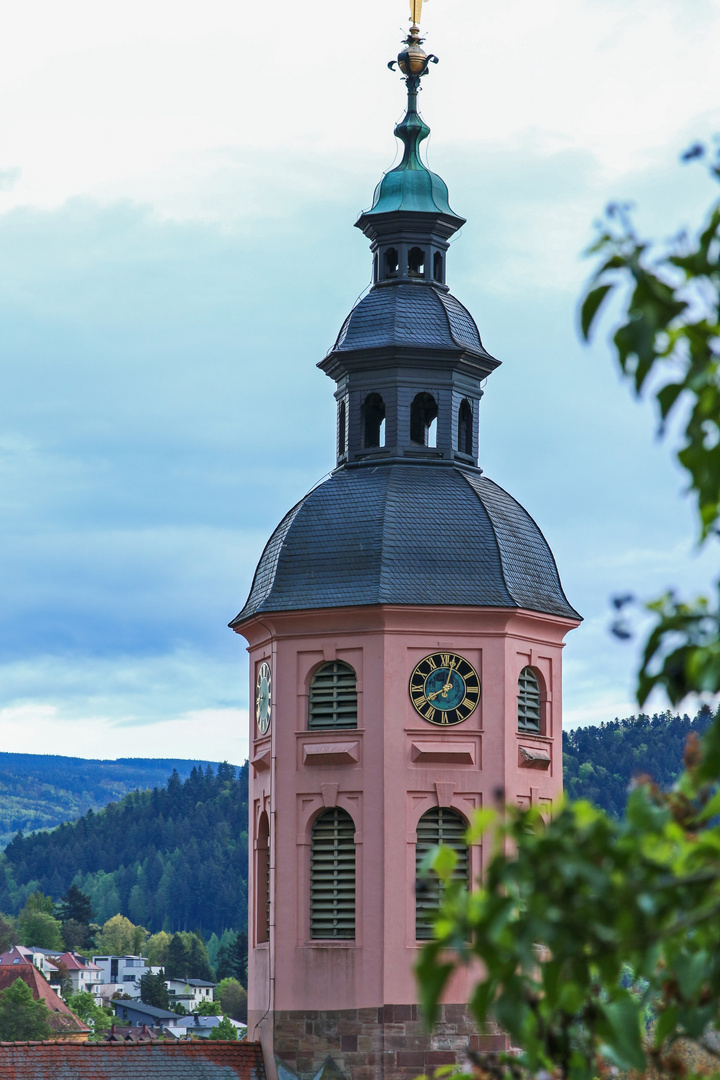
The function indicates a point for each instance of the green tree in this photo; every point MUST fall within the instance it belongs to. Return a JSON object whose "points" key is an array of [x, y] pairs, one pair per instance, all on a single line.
{"points": [[232, 958], [41, 929], [187, 958], [589, 927], [8, 932], [84, 1006], [208, 1008], [154, 991], [21, 1017], [38, 901], [156, 948], [232, 996], [75, 912], [120, 937], [224, 1030], [76, 906], [198, 962], [76, 935], [178, 958]]}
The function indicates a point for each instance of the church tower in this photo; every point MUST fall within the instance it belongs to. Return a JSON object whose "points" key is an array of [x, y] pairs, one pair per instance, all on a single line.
{"points": [[405, 628]]}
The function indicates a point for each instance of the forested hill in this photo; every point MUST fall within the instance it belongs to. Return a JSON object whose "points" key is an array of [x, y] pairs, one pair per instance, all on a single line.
{"points": [[39, 791], [599, 762], [174, 858]]}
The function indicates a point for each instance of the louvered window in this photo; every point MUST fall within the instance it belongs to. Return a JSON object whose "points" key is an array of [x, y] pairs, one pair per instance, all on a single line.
{"points": [[438, 826], [528, 701], [333, 697], [332, 876]]}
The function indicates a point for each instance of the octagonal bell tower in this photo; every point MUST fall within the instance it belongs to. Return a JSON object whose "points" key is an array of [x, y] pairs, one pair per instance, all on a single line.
{"points": [[405, 628]]}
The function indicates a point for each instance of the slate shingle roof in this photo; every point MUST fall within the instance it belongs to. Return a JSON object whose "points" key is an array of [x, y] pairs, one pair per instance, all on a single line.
{"points": [[418, 316], [131, 1061], [407, 534]]}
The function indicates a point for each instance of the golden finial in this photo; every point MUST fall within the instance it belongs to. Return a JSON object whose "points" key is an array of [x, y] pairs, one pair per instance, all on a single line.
{"points": [[415, 11], [413, 60]]}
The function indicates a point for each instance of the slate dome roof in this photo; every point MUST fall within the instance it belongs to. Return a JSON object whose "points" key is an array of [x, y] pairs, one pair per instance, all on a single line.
{"points": [[408, 535], [418, 316]]}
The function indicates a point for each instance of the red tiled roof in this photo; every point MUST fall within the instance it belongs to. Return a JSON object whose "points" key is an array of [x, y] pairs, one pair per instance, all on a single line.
{"points": [[61, 1019], [203, 1060], [22, 955], [80, 963]]}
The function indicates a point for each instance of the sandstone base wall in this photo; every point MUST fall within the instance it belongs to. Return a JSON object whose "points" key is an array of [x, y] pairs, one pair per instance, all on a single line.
{"points": [[386, 1043]]}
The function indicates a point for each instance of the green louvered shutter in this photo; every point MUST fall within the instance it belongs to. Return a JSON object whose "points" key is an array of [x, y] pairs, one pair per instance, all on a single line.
{"points": [[333, 697], [332, 876], [438, 826], [528, 701]]}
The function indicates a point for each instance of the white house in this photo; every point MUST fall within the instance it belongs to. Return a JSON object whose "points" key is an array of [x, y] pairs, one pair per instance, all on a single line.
{"points": [[84, 974], [191, 992], [121, 974]]}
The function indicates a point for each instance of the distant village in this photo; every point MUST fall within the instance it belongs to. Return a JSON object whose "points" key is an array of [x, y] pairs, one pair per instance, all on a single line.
{"points": [[114, 983]]}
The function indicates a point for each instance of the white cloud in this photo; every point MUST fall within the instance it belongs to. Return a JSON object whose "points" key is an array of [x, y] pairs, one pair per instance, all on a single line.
{"points": [[208, 734]]}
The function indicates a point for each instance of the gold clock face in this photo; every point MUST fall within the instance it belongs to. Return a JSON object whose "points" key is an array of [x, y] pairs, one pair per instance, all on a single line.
{"points": [[444, 689], [263, 688]]}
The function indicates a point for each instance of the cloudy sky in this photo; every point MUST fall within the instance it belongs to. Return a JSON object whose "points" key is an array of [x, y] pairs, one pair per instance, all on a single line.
{"points": [[178, 185]]}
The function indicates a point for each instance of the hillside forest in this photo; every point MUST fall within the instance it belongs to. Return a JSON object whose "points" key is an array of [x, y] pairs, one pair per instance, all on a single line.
{"points": [[600, 762], [173, 858], [40, 791]]}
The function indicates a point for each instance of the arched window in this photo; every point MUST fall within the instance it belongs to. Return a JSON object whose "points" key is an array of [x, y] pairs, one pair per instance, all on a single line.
{"points": [[262, 881], [332, 876], [416, 262], [333, 697], [390, 262], [438, 267], [374, 420], [528, 701], [342, 424], [423, 412], [465, 427], [438, 826]]}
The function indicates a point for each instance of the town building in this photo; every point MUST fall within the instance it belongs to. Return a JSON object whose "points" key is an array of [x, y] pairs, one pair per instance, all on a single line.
{"points": [[84, 974], [120, 974], [202, 1027], [137, 1013], [45, 960], [62, 1021], [190, 992], [405, 629]]}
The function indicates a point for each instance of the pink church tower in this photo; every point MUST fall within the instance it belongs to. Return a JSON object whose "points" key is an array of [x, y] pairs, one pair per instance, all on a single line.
{"points": [[405, 628]]}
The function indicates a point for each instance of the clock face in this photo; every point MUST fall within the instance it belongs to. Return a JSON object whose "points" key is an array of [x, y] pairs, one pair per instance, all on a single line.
{"points": [[263, 687], [444, 689]]}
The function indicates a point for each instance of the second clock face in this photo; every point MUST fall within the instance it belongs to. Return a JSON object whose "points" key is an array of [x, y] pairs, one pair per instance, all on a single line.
{"points": [[262, 698], [444, 688]]}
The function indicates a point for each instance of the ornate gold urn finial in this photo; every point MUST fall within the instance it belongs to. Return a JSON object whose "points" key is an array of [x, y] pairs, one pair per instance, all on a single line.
{"points": [[413, 60]]}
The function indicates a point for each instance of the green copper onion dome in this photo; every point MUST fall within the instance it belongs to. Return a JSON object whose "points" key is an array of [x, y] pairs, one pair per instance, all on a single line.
{"points": [[411, 185]]}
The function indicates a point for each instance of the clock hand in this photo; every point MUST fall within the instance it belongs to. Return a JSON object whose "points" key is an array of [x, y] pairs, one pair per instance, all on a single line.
{"points": [[443, 690]]}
